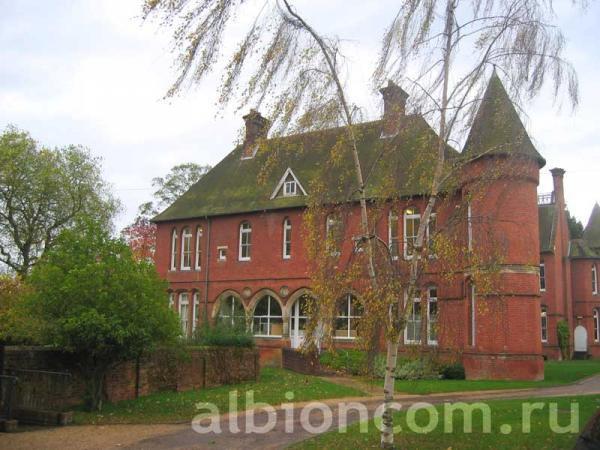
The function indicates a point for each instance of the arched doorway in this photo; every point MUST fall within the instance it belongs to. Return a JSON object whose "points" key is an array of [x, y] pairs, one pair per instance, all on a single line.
{"points": [[581, 339]]}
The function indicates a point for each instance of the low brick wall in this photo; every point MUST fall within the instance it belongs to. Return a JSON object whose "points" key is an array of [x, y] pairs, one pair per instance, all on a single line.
{"points": [[164, 370]]}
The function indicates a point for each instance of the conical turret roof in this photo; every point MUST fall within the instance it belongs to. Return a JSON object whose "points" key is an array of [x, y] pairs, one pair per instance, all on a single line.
{"points": [[591, 234], [497, 128]]}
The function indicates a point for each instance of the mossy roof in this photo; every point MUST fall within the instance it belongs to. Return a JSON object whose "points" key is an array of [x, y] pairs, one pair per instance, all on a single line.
{"points": [[400, 165], [580, 249], [497, 128], [591, 233], [546, 214]]}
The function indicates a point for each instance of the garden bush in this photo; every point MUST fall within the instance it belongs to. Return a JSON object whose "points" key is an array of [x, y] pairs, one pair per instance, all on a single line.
{"points": [[353, 362], [222, 335], [454, 371]]}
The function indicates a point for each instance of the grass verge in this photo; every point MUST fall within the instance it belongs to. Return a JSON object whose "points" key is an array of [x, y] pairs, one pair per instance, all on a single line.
{"points": [[555, 373], [168, 407], [506, 428]]}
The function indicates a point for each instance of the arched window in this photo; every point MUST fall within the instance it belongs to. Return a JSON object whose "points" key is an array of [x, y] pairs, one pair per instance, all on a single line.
{"points": [[245, 241], [184, 304], [393, 234], [287, 238], [198, 248], [174, 250], [432, 316], [267, 319], [412, 332], [596, 325], [232, 313], [348, 315], [544, 323], [186, 249], [412, 219], [594, 280]]}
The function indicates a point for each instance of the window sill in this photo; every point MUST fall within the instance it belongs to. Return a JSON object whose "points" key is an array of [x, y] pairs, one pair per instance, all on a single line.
{"points": [[344, 338], [244, 259]]}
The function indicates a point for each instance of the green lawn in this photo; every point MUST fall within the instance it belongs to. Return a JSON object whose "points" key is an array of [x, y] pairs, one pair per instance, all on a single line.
{"points": [[556, 373], [503, 414], [168, 407]]}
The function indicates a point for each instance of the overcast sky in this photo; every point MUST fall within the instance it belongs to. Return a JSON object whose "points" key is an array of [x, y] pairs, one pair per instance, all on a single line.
{"points": [[90, 72]]}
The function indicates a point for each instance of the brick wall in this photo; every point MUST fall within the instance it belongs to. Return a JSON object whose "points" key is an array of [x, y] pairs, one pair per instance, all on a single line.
{"points": [[164, 370]]}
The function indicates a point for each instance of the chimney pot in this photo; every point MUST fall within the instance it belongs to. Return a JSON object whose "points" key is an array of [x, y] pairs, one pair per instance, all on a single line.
{"points": [[257, 127], [394, 108], [559, 190]]}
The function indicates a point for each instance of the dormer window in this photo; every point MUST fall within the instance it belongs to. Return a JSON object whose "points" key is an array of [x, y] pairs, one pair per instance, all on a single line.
{"points": [[288, 186]]}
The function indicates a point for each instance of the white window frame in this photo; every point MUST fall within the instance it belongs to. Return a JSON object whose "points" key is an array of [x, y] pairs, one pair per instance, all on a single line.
{"points": [[287, 238], [245, 247], [596, 318], [184, 318], [234, 301], [394, 241], [268, 317], [186, 240], [430, 300], [196, 310], [544, 323], [222, 253], [290, 188], [413, 216], [174, 250], [347, 302], [332, 220], [542, 277], [171, 300], [594, 280], [198, 258], [414, 319], [406, 218], [473, 307], [470, 227]]}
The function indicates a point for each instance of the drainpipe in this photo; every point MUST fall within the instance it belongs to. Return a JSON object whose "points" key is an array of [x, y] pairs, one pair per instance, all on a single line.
{"points": [[206, 278]]}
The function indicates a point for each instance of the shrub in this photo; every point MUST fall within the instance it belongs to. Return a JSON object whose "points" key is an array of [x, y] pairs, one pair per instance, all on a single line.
{"points": [[222, 335], [409, 368], [454, 371], [564, 336], [353, 362]]}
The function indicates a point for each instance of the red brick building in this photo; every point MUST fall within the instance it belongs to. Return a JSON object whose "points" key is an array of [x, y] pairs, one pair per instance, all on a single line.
{"points": [[232, 248]]}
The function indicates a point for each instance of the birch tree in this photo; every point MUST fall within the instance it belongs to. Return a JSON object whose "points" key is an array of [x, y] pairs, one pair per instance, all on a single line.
{"points": [[442, 51]]}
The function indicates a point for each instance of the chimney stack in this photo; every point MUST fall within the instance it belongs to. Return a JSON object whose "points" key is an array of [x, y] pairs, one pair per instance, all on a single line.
{"points": [[394, 108], [559, 190], [257, 127]]}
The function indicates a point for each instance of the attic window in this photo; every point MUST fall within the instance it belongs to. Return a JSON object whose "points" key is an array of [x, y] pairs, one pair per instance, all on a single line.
{"points": [[288, 186]]}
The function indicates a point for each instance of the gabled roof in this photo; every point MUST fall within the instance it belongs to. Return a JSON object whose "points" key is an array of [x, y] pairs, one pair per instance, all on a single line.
{"points": [[547, 214], [591, 233], [233, 185], [497, 128]]}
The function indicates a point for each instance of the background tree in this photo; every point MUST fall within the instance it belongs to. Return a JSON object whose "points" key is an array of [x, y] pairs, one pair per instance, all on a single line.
{"points": [[172, 186], [141, 234], [42, 192], [95, 301], [284, 65], [575, 226]]}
